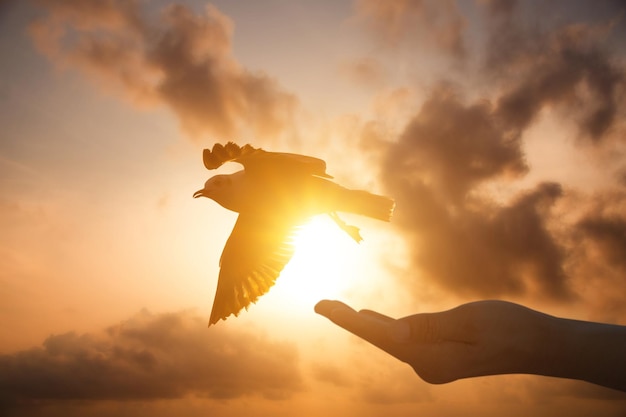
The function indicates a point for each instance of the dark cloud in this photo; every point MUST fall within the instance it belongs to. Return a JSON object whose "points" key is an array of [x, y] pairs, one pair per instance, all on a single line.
{"points": [[608, 235], [150, 356], [4, 7], [454, 147], [581, 79], [596, 242], [182, 60], [566, 65], [458, 240], [563, 59], [438, 166], [507, 42]]}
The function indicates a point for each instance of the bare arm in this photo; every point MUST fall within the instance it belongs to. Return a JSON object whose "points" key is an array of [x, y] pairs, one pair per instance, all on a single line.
{"points": [[593, 352], [490, 338]]}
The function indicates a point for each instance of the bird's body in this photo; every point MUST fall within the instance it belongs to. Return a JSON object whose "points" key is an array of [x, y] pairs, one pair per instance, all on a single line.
{"points": [[274, 194]]}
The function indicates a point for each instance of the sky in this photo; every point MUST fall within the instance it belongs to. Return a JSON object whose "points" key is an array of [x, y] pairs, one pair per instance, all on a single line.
{"points": [[499, 128]]}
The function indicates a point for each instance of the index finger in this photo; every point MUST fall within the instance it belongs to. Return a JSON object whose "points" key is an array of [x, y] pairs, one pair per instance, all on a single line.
{"points": [[373, 327]]}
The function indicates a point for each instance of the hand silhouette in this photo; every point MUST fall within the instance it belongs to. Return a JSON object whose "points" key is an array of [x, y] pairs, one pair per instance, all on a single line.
{"points": [[489, 338]]}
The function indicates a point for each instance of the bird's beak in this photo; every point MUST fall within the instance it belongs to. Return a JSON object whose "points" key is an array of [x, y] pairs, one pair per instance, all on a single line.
{"points": [[199, 193]]}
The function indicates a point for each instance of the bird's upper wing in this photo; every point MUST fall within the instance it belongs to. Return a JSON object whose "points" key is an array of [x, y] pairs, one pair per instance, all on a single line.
{"points": [[220, 154], [258, 161], [257, 250]]}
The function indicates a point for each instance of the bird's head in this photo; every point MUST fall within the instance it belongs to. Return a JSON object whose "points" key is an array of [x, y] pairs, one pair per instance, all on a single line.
{"points": [[215, 187]]}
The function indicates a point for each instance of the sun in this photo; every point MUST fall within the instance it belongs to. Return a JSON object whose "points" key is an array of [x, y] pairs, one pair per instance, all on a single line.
{"points": [[321, 266]]}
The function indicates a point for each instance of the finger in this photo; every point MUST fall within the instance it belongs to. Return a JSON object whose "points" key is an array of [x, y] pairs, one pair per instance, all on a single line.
{"points": [[377, 315], [373, 327], [326, 307], [450, 326], [338, 312], [398, 330]]}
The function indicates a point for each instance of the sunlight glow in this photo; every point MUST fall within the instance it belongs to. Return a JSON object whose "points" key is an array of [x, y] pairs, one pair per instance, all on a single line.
{"points": [[321, 266]]}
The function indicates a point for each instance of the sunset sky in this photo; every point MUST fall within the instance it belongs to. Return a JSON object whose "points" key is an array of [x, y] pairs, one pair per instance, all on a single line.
{"points": [[499, 127]]}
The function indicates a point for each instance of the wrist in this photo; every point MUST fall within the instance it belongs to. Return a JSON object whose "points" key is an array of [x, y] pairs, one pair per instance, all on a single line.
{"points": [[587, 351]]}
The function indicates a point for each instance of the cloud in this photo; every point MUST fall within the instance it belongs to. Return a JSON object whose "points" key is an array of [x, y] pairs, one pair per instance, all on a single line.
{"points": [[150, 356], [440, 165], [364, 71], [458, 239], [439, 24], [5, 5], [330, 374], [453, 146], [608, 235], [566, 63], [580, 79], [595, 238], [567, 66], [182, 60], [571, 65]]}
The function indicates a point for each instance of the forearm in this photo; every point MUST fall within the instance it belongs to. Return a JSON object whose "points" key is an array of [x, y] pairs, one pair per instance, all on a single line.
{"points": [[593, 352]]}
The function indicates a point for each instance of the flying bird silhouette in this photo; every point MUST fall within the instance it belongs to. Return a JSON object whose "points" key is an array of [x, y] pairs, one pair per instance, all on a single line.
{"points": [[274, 195]]}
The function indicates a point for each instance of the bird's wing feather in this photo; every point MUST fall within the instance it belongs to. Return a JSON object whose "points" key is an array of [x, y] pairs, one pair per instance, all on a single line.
{"points": [[257, 250], [284, 164], [220, 154], [258, 161]]}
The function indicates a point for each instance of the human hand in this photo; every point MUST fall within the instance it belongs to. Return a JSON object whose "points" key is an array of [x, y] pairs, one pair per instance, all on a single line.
{"points": [[474, 339]]}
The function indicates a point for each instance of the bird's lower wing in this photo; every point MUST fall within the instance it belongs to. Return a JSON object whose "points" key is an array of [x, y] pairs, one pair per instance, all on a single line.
{"points": [[256, 252]]}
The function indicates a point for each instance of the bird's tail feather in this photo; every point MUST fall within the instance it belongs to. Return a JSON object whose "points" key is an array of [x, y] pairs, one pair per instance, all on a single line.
{"points": [[370, 205]]}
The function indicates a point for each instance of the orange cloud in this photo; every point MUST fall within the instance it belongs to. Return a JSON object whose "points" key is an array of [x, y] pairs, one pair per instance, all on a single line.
{"points": [[462, 243], [467, 244], [182, 60], [149, 356], [436, 166], [596, 242]]}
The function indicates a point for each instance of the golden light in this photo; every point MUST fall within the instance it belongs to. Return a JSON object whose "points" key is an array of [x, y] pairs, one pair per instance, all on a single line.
{"points": [[322, 266]]}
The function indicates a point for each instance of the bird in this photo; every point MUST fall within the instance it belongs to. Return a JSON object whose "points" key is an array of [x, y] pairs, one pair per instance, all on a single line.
{"points": [[275, 194]]}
